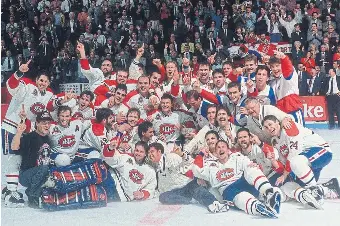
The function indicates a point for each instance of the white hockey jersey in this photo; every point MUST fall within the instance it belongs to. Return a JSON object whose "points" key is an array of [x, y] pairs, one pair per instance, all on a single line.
{"points": [[168, 125], [130, 138], [198, 142], [95, 136], [130, 176], [136, 100], [116, 108], [94, 75], [257, 155], [24, 92], [296, 140], [66, 140], [222, 175], [172, 171], [85, 114]]}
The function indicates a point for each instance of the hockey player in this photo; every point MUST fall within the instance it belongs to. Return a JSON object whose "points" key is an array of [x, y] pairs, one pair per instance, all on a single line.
{"points": [[260, 89], [115, 103], [146, 133], [81, 106], [285, 86], [133, 178], [239, 181], [301, 151], [175, 186], [33, 96], [129, 136], [166, 122], [65, 136], [141, 98], [225, 129], [97, 134], [95, 75], [234, 101], [198, 108], [267, 158], [198, 141]]}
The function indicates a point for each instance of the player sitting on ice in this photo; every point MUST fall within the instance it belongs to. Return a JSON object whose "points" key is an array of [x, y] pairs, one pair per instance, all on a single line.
{"points": [[303, 154], [240, 181], [81, 106], [285, 86], [133, 179], [267, 158], [175, 182]]}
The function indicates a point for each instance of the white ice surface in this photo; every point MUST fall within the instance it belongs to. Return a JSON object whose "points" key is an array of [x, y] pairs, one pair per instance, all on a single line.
{"points": [[153, 213]]}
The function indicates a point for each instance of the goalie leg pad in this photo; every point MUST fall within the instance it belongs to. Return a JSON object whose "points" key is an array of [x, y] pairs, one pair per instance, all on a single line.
{"points": [[91, 196], [76, 176]]}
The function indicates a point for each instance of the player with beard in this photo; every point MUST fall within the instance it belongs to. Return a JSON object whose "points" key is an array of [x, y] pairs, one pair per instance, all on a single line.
{"points": [[97, 133], [129, 136], [267, 158], [240, 181], [95, 75], [29, 98], [166, 123], [115, 103], [285, 86], [141, 98], [134, 180], [81, 106], [198, 141], [260, 89]]}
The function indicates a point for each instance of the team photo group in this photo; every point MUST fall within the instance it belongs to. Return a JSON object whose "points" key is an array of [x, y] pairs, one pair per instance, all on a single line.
{"points": [[182, 101]]}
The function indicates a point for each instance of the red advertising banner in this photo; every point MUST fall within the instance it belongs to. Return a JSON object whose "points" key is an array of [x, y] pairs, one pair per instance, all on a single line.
{"points": [[314, 108]]}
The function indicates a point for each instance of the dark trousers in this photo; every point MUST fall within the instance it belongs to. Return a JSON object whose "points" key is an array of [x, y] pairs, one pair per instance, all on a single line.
{"points": [[184, 195], [333, 107], [33, 179]]}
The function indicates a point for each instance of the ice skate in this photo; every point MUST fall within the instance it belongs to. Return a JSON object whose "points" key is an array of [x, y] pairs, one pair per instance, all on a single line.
{"points": [[273, 200], [217, 207], [14, 200]]}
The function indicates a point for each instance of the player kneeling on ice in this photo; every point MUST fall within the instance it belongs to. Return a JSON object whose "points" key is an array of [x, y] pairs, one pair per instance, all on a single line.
{"points": [[175, 184], [303, 154], [240, 181], [132, 179], [267, 158]]}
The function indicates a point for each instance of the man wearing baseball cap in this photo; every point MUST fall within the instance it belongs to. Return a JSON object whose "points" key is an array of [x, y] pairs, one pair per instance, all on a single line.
{"points": [[34, 148]]}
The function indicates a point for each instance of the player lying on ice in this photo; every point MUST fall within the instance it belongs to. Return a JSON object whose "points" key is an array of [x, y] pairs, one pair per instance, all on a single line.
{"points": [[303, 155], [240, 181]]}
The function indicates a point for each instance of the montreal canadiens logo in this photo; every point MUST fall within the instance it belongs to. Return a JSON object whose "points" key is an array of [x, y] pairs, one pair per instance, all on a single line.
{"points": [[167, 129], [67, 141], [225, 174], [78, 115], [37, 108], [136, 176], [284, 150]]}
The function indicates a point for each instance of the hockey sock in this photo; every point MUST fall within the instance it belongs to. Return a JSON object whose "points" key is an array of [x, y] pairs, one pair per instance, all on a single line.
{"points": [[300, 167]]}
